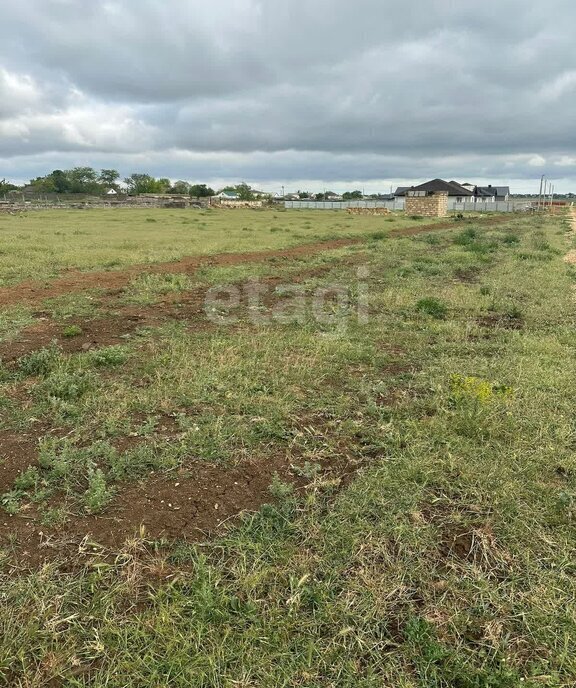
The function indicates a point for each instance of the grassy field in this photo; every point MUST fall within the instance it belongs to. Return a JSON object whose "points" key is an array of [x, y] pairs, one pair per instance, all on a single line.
{"points": [[393, 418], [40, 245]]}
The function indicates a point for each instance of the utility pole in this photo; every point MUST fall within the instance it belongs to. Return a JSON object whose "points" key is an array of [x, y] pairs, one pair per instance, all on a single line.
{"points": [[540, 194]]}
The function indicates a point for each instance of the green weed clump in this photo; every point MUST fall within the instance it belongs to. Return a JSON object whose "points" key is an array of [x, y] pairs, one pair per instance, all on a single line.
{"points": [[146, 288], [66, 385], [39, 363], [432, 307], [470, 388], [109, 356], [72, 331], [97, 494]]}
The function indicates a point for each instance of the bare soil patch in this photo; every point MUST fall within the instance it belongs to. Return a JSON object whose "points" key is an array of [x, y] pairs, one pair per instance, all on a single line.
{"points": [[189, 504]]}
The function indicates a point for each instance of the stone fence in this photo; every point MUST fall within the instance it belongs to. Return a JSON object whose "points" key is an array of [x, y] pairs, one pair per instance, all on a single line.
{"points": [[368, 211]]}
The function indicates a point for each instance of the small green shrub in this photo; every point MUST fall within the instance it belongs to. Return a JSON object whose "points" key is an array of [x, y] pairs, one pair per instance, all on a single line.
{"points": [[10, 502], [54, 516], [72, 331], [466, 237], [433, 307], [97, 495], [515, 313], [65, 385], [510, 239], [279, 489], [39, 363], [109, 357], [377, 236], [28, 479]]}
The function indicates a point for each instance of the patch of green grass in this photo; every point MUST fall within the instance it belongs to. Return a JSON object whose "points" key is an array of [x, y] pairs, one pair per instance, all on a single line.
{"points": [[433, 307], [13, 320], [146, 288], [67, 385], [97, 493], [76, 305], [109, 356], [41, 362], [72, 331]]}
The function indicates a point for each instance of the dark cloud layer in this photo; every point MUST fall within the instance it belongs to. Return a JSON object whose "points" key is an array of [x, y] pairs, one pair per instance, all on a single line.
{"points": [[299, 90]]}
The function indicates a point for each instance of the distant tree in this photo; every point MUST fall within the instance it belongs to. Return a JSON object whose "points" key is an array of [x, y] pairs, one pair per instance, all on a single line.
{"points": [[201, 191], [7, 186], [320, 197], [352, 195], [163, 185], [109, 179], [83, 180], [55, 182], [303, 194], [244, 192], [180, 187], [139, 183], [60, 181]]}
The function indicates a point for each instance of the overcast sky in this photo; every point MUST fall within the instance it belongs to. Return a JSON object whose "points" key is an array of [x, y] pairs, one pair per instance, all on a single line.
{"points": [[306, 93]]}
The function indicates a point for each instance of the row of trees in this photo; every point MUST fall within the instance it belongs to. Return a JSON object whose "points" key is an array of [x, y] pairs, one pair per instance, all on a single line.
{"points": [[78, 180], [327, 195], [87, 180], [138, 183]]}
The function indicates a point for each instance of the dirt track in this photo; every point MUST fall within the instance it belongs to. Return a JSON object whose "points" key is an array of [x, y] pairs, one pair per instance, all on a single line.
{"points": [[33, 293]]}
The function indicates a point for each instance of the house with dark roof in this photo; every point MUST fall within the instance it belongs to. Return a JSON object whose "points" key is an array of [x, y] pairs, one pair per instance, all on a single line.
{"points": [[456, 192], [492, 193]]}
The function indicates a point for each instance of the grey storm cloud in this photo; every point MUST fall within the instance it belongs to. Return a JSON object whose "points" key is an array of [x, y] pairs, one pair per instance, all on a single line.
{"points": [[320, 90]]}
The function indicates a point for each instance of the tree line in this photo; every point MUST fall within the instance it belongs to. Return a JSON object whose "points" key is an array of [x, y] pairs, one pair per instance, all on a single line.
{"points": [[87, 180]]}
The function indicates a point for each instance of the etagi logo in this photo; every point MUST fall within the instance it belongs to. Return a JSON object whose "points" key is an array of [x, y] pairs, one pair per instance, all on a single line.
{"points": [[259, 303]]}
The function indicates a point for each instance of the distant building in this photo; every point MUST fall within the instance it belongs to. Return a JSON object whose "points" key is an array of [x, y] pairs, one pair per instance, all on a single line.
{"points": [[458, 193], [491, 193], [455, 191], [261, 194], [228, 196]]}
